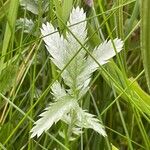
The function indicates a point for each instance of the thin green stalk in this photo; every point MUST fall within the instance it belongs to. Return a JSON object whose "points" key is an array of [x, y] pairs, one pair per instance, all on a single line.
{"points": [[124, 125], [4, 8], [133, 18], [2, 147], [120, 31], [120, 19], [142, 129], [98, 25], [121, 63], [145, 37], [33, 73], [124, 137], [99, 116]]}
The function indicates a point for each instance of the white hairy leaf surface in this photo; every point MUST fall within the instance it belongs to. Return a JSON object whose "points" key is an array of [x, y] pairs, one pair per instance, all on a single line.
{"points": [[58, 91], [79, 71], [77, 27], [83, 119], [101, 54], [53, 114], [54, 44], [104, 52], [87, 120], [26, 24], [33, 5], [63, 50], [77, 74]]}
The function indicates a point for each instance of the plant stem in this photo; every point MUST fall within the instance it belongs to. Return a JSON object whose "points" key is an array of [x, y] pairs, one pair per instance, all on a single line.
{"points": [[145, 37]]}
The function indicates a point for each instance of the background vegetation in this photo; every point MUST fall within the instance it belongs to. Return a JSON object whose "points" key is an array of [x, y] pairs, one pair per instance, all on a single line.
{"points": [[119, 92]]}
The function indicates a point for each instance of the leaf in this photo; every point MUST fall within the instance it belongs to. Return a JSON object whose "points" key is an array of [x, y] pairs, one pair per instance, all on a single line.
{"points": [[87, 120], [95, 40], [76, 66], [114, 147], [52, 114], [7, 78], [5, 130], [26, 24], [63, 50], [9, 30], [58, 91], [33, 5], [76, 75], [5, 7], [106, 50], [54, 44], [77, 25], [76, 132], [84, 120], [58, 12], [66, 8], [103, 53], [136, 95], [137, 89]]}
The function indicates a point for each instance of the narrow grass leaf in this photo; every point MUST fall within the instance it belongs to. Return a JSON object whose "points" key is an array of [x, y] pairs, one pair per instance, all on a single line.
{"points": [[4, 9], [145, 36], [12, 15], [7, 78]]}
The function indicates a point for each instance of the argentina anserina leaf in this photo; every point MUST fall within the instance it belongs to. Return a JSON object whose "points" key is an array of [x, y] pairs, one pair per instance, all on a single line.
{"points": [[100, 56], [77, 65], [87, 120], [83, 119], [52, 114], [63, 50]]}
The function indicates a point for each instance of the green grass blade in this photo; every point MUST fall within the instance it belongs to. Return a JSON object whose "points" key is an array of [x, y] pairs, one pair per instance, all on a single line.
{"points": [[9, 31], [145, 37], [4, 8]]}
